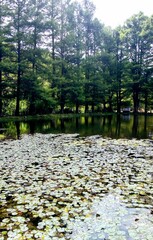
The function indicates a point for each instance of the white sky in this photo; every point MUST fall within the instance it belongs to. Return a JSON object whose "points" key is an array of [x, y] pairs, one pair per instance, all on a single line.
{"points": [[116, 12]]}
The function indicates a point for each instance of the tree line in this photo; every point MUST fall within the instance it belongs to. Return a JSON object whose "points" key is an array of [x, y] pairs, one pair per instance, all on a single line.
{"points": [[55, 56]]}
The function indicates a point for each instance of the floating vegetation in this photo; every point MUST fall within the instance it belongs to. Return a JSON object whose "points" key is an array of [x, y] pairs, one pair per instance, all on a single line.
{"points": [[69, 187]]}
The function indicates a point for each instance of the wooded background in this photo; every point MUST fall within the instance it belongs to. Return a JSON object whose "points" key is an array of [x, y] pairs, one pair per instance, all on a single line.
{"points": [[56, 57]]}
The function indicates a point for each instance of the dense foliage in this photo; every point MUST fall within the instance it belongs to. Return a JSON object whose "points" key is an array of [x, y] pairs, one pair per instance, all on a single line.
{"points": [[56, 57]]}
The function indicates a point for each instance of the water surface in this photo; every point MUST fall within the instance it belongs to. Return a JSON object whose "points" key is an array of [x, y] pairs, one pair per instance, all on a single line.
{"points": [[125, 126]]}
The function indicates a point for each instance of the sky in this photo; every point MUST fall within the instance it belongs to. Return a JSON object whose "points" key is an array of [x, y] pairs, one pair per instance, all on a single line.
{"points": [[115, 12]]}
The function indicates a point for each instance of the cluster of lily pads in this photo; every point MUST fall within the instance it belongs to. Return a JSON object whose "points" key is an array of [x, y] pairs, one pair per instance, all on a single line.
{"points": [[69, 187]]}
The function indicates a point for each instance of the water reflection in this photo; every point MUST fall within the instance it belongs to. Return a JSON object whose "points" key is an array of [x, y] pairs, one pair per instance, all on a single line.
{"points": [[126, 117], [124, 126], [118, 126], [135, 126], [111, 219], [17, 125]]}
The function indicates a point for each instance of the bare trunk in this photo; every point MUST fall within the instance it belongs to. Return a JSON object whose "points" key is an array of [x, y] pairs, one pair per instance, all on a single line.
{"points": [[17, 111], [136, 102], [1, 83], [86, 108], [77, 107], [34, 70]]}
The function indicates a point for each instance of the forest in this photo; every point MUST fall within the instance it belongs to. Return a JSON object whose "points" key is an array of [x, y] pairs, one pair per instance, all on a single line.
{"points": [[56, 57]]}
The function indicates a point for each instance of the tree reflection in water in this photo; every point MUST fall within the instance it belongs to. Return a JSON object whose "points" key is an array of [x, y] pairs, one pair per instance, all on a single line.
{"points": [[113, 126]]}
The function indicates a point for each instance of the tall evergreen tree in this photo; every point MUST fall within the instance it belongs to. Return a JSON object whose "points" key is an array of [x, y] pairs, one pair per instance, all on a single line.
{"points": [[147, 76], [52, 30], [2, 38], [36, 29], [136, 48], [88, 13], [7, 65], [75, 54], [15, 26], [62, 50], [55, 54]]}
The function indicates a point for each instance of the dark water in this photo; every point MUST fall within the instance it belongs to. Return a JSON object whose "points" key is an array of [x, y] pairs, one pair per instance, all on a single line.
{"points": [[125, 126]]}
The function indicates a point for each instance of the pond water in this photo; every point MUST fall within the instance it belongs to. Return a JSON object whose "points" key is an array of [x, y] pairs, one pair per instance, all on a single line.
{"points": [[66, 187], [125, 126]]}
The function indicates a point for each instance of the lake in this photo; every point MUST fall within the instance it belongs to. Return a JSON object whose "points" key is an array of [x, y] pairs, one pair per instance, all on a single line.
{"points": [[61, 186], [112, 126]]}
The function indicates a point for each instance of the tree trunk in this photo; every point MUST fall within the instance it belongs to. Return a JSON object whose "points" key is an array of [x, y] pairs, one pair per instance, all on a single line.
{"points": [[135, 101], [146, 92], [77, 107], [146, 102], [119, 102], [86, 108], [93, 108], [34, 71], [118, 125], [104, 106], [53, 51], [135, 126], [1, 104], [17, 111], [119, 56], [62, 107], [110, 104], [1, 83]]}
